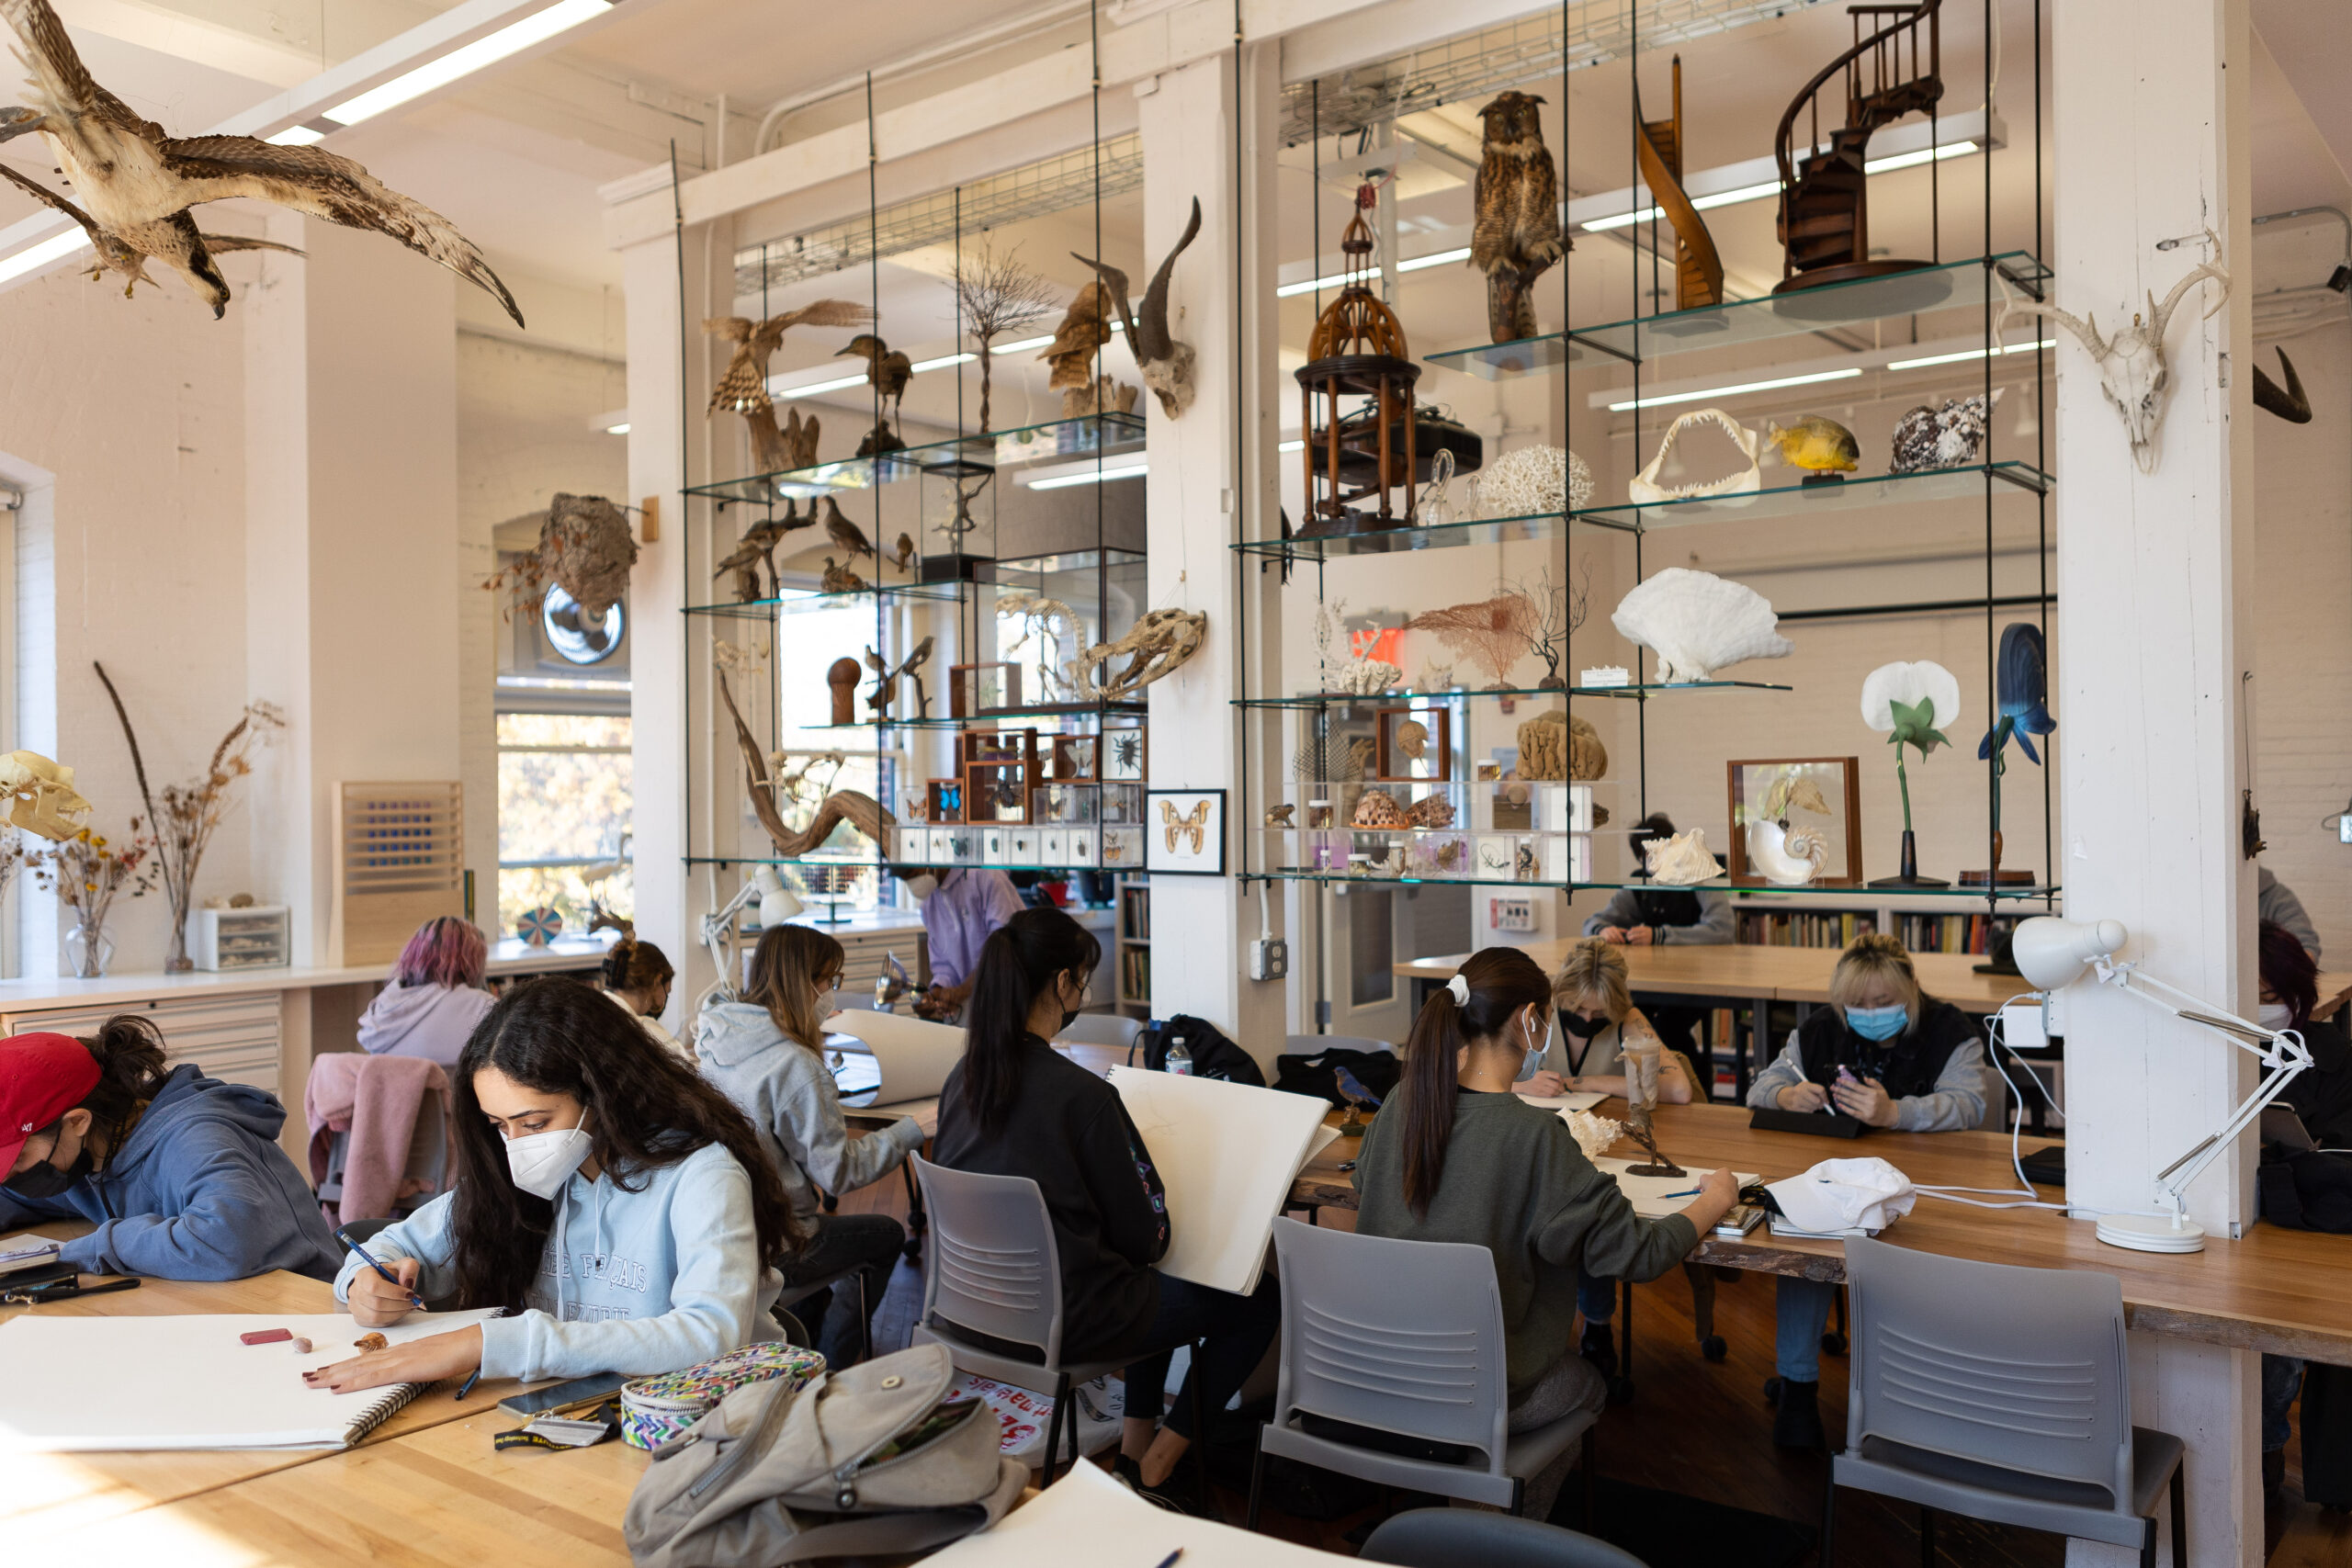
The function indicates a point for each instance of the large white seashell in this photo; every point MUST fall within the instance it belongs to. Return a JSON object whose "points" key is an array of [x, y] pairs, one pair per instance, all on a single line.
{"points": [[1596, 1135], [1532, 481], [1643, 489], [1697, 622], [1789, 858], [1682, 860]]}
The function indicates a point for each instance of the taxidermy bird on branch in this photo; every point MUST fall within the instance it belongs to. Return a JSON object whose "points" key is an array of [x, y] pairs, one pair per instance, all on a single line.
{"points": [[743, 385], [1165, 365], [887, 372], [1515, 236], [137, 183], [846, 534]]}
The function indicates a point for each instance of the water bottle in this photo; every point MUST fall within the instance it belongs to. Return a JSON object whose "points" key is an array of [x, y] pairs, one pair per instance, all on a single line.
{"points": [[1179, 1060]]}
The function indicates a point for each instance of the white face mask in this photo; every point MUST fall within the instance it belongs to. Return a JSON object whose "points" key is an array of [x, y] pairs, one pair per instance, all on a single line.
{"points": [[541, 1163], [2274, 1015], [923, 886]]}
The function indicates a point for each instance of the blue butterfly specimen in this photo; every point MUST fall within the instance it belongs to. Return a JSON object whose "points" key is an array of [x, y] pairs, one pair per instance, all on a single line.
{"points": [[2022, 708]]}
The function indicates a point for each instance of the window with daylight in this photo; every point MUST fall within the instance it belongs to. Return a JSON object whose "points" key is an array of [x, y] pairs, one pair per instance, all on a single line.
{"points": [[564, 807]]}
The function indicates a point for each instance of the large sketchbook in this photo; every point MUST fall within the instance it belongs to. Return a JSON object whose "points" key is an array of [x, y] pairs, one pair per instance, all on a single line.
{"points": [[914, 1054], [84, 1384], [1227, 1154]]}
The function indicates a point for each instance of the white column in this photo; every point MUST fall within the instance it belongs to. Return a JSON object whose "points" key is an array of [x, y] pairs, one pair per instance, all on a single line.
{"points": [[2150, 141], [1192, 124]]}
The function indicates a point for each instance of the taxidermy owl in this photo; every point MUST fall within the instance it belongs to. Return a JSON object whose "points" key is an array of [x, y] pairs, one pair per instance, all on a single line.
{"points": [[1516, 236], [1946, 437]]}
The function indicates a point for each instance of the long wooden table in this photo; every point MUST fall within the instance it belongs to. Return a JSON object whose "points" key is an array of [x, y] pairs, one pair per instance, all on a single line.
{"points": [[43, 1496], [2286, 1292]]}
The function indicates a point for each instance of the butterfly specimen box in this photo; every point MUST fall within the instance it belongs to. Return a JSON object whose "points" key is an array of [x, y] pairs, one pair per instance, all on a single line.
{"points": [[977, 689], [1184, 832], [1000, 768]]}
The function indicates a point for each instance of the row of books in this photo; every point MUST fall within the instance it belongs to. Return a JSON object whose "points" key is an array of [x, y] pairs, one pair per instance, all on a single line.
{"points": [[1838, 928], [1135, 974]]}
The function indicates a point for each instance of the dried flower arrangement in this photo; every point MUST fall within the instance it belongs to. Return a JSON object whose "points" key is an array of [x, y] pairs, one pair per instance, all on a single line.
{"points": [[86, 872], [189, 813]]}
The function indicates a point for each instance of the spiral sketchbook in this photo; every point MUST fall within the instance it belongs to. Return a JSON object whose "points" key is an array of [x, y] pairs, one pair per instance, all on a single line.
{"points": [[86, 1384]]}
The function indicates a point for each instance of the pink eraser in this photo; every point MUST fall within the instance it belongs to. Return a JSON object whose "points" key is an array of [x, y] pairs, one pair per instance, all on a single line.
{"points": [[266, 1336]]}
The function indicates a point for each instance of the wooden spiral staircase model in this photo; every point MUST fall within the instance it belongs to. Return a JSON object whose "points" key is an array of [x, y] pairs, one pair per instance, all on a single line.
{"points": [[1825, 201], [1698, 270]]}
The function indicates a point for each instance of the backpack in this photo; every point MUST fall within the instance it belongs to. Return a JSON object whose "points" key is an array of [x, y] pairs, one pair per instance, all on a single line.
{"points": [[871, 1461], [1214, 1056], [1318, 1075]]}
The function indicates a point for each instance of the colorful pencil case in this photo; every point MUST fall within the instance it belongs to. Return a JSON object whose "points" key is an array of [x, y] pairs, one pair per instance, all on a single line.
{"points": [[656, 1409]]}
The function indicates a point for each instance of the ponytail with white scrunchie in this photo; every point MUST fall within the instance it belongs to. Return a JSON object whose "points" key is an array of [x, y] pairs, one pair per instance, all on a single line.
{"points": [[1477, 1003]]}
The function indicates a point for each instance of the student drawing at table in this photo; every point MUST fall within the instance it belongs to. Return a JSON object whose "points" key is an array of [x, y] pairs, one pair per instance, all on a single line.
{"points": [[1889, 1055], [766, 1053], [180, 1174], [616, 1204], [1013, 1106], [1662, 917], [1593, 998], [1454, 1157], [637, 976]]}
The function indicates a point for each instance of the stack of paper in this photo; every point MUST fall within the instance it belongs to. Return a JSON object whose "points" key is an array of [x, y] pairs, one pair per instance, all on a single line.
{"points": [[1087, 1517], [1654, 1197]]}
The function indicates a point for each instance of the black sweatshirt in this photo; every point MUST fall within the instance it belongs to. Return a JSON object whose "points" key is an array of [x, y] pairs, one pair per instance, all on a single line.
{"points": [[1068, 1132]]}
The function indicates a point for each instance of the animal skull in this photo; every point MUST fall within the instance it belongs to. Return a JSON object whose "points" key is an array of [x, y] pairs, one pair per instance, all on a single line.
{"points": [[2132, 368]]}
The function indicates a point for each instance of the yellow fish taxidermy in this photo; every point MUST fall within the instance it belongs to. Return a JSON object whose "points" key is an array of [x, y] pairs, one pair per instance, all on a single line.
{"points": [[1822, 447]]}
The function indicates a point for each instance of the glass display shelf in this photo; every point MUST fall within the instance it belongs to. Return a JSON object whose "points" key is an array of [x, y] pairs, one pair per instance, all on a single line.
{"points": [[1064, 562], [796, 602], [1849, 891], [1630, 690], [1420, 537], [1001, 718], [1953, 286], [871, 863], [1854, 492], [1109, 434]]}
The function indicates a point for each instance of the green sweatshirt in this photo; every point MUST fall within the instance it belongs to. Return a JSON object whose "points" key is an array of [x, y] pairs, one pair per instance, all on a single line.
{"points": [[1515, 1183]]}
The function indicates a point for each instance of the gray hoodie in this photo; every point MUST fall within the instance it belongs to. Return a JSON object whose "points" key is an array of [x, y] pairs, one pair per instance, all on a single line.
{"points": [[789, 1093], [432, 1021]]}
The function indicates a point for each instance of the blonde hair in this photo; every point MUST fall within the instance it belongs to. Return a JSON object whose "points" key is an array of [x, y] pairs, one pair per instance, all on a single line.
{"points": [[786, 969], [1594, 970], [1875, 956]]}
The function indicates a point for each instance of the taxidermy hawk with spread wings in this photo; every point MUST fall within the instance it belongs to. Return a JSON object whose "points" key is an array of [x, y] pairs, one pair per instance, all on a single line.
{"points": [[137, 183], [743, 386]]}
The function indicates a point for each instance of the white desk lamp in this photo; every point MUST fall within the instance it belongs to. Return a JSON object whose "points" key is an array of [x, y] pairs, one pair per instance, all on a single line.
{"points": [[778, 905], [2052, 953]]}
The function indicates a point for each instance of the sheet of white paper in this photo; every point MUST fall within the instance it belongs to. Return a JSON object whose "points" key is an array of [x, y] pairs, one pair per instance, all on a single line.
{"points": [[1087, 1517], [83, 1384], [1564, 1103], [1654, 1197], [1227, 1153], [25, 1250], [914, 1054]]}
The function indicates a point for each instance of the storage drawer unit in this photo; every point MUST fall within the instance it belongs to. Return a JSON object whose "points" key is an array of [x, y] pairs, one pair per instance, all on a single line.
{"points": [[232, 1038]]}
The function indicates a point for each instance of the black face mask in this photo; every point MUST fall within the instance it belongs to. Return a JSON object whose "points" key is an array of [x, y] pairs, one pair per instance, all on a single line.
{"points": [[1583, 1027], [46, 1181]]}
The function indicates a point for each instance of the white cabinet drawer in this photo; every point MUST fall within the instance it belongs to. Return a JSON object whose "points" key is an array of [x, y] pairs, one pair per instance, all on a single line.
{"points": [[234, 1038]]}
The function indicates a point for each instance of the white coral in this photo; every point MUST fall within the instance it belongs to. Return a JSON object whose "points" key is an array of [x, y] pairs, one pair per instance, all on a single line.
{"points": [[1697, 622], [1532, 481]]}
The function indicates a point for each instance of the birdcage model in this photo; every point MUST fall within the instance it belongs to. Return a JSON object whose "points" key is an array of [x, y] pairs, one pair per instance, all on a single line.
{"points": [[1357, 350]]}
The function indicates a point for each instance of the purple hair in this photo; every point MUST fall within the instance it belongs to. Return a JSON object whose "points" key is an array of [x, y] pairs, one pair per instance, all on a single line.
{"points": [[443, 952], [2288, 971]]}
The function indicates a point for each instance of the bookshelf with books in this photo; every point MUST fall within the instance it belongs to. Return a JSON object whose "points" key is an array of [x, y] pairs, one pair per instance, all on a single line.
{"points": [[1135, 946], [1822, 925]]}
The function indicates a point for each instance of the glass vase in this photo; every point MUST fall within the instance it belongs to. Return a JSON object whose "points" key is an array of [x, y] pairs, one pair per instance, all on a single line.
{"points": [[88, 951]]}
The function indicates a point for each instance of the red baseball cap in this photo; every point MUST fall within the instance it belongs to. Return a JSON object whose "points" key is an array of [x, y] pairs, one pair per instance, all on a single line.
{"points": [[42, 1076]]}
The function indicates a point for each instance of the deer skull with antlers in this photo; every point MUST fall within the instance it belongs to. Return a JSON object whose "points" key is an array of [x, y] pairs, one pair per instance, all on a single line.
{"points": [[2132, 368]]}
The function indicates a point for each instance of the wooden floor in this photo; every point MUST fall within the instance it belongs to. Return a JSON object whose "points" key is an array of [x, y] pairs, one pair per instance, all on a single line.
{"points": [[1703, 1429]]}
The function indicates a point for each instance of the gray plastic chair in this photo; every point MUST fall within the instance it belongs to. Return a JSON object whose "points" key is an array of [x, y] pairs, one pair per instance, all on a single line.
{"points": [[990, 1268], [2001, 1394], [1101, 1029], [1453, 1537], [1308, 1044], [1404, 1338]]}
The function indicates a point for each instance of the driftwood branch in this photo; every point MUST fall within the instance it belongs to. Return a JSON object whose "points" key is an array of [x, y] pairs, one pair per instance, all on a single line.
{"points": [[860, 811]]}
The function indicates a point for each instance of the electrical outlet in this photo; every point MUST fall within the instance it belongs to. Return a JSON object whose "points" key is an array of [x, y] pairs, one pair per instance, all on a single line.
{"points": [[2023, 1026], [1269, 958], [1510, 914]]}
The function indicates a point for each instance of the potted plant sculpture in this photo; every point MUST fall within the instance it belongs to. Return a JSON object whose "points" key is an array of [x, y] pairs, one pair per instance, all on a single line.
{"points": [[1910, 703]]}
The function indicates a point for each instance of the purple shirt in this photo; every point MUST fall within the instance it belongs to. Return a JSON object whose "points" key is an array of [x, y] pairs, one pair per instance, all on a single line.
{"points": [[958, 917]]}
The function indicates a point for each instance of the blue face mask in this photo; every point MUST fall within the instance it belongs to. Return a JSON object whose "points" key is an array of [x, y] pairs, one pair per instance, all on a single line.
{"points": [[1878, 1023]]}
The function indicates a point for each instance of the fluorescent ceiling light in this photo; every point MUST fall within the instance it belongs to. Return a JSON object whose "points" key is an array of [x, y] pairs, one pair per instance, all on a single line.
{"points": [[1023, 346], [620, 429], [1771, 188], [1970, 354], [1845, 374], [835, 385], [945, 361], [1090, 476], [39, 255], [486, 51], [1436, 259], [299, 136], [1299, 445]]}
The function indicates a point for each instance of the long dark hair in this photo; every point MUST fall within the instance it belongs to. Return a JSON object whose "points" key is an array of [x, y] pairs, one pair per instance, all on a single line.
{"points": [[646, 1110], [130, 1051], [1017, 965], [2285, 968], [1502, 980]]}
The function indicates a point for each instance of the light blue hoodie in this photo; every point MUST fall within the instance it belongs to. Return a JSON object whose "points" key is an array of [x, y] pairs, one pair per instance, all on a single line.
{"points": [[632, 1282]]}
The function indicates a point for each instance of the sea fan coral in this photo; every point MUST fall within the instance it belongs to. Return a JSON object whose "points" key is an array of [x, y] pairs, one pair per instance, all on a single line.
{"points": [[1492, 633], [1697, 622]]}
